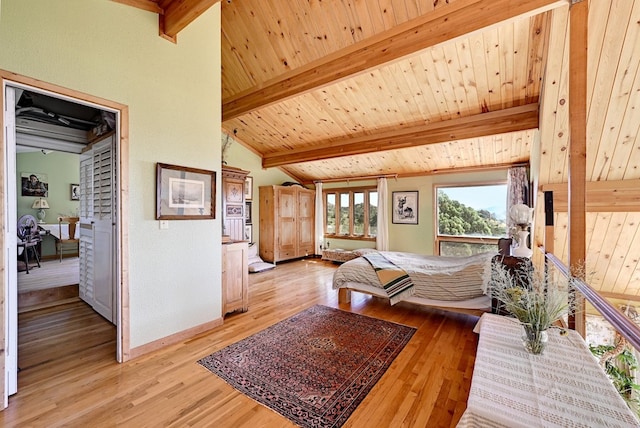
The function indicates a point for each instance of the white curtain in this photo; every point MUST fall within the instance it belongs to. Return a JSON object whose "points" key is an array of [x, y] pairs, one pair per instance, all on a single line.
{"points": [[382, 238], [319, 230]]}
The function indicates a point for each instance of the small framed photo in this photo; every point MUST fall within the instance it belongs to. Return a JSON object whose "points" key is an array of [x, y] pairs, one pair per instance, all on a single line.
{"points": [[75, 192], [248, 188], [184, 193], [247, 210], [247, 233], [405, 207]]}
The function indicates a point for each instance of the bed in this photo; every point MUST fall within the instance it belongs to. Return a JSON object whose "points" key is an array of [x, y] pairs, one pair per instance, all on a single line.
{"points": [[457, 283]]}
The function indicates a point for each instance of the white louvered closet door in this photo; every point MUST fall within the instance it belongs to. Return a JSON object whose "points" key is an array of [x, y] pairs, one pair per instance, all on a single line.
{"points": [[103, 224], [86, 228], [97, 230]]}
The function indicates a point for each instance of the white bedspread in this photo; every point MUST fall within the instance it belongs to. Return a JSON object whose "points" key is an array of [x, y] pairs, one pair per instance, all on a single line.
{"points": [[434, 277]]}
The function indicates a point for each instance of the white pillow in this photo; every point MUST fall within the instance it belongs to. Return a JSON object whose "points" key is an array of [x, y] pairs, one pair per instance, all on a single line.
{"points": [[256, 264], [260, 266], [253, 256]]}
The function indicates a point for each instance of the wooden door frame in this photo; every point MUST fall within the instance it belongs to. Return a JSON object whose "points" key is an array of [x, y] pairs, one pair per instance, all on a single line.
{"points": [[123, 353]]}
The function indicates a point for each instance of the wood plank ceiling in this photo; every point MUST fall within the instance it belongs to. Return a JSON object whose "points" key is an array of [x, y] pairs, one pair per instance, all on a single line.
{"points": [[385, 118], [329, 89]]}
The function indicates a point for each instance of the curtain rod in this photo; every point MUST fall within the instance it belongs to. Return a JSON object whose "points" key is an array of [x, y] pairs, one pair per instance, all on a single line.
{"points": [[360, 178], [423, 174]]}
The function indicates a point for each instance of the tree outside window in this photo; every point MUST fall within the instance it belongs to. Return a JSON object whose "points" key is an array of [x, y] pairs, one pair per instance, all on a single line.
{"points": [[470, 219], [351, 213]]}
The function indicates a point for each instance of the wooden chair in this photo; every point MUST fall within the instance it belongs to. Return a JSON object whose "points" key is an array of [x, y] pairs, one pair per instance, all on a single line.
{"points": [[70, 237]]}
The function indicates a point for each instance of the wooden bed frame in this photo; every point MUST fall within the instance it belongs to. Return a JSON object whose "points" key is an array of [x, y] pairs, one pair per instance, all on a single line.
{"points": [[344, 298]]}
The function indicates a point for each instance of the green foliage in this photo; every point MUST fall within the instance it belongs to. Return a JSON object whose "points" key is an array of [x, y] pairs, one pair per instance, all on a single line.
{"points": [[543, 302], [462, 249], [619, 370], [358, 213], [455, 218]]}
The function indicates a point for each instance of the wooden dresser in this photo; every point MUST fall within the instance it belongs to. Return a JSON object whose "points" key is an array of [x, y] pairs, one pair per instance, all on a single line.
{"points": [[235, 277], [235, 253]]}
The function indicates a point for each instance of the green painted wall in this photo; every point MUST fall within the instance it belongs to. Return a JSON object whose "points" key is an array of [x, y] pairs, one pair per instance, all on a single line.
{"points": [[402, 237], [240, 157], [418, 238], [113, 51], [62, 170]]}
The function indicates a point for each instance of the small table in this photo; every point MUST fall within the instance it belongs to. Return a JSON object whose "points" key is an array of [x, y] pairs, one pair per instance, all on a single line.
{"points": [[54, 230], [563, 387]]}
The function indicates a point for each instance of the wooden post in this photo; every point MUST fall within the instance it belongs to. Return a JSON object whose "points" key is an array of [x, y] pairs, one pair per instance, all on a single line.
{"points": [[578, 23]]}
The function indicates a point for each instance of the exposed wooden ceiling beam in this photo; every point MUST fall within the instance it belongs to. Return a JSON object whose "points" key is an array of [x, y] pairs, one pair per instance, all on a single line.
{"points": [[148, 5], [478, 168], [179, 14], [497, 122], [174, 15], [461, 18], [601, 196]]}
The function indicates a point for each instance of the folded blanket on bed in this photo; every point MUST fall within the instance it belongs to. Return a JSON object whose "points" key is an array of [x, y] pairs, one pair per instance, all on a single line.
{"points": [[394, 280]]}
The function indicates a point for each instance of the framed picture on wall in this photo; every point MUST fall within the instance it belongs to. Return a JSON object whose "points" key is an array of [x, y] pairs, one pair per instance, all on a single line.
{"points": [[405, 207], [247, 233], [75, 192], [248, 213], [34, 184], [248, 188], [185, 193]]}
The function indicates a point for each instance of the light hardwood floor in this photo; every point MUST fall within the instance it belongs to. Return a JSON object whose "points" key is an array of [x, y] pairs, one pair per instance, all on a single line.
{"points": [[69, 376]]}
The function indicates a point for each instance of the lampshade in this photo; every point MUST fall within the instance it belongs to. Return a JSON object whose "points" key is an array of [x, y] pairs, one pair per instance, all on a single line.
{"points": [[520, 214], [40, 203]]}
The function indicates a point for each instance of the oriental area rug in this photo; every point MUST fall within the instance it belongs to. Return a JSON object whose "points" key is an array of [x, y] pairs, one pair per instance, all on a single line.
{"points": [[315, 367]]}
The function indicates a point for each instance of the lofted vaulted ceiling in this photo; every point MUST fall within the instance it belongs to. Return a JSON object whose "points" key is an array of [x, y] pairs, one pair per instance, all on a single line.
{"points": [[329, 89], [341, 89]]}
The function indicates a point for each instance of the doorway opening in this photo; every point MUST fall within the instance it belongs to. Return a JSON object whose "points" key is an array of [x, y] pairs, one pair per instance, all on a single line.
{"points": [[49, 121]]}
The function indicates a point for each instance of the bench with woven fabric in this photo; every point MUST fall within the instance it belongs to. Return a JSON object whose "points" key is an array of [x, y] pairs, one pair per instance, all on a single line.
{"points": [[339, 255]]}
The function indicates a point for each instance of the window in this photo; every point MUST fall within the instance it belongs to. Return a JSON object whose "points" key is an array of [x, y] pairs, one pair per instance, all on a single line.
{"points": [[351, 213], [330, 214], [470, 219]]}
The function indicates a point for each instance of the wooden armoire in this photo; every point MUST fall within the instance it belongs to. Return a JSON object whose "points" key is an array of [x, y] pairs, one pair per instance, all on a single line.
{"points": [[286, 222]]}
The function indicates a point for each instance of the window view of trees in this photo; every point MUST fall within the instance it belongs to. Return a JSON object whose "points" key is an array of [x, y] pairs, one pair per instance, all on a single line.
{"points": [[358, 213], [330, 207], [373, 213], [351, 213], [344, 214], [470, 219], [455, 218]]}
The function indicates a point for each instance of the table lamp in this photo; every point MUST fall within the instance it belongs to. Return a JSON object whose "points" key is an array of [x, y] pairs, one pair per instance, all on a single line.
{"points": [[40, 204], [521, 216]]}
